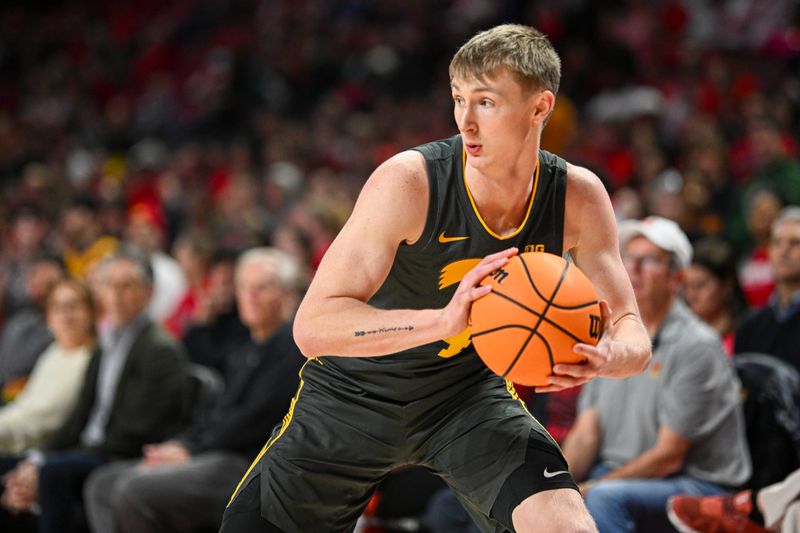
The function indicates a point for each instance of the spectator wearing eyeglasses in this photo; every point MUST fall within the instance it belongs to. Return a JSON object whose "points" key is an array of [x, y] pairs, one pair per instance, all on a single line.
{"points": [[52, 389], [637, 441]]}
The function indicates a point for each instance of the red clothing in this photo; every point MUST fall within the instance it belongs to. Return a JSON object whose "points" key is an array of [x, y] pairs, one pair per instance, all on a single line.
{"points": [[179, 320], [755, 277]]}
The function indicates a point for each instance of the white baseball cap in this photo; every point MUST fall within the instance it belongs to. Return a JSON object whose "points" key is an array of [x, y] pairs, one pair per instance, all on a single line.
{"points": [[662, 232]]}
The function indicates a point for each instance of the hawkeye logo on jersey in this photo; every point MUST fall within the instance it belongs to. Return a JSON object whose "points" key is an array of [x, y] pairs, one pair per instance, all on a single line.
{"points": [[452, 274], [444, 240]]}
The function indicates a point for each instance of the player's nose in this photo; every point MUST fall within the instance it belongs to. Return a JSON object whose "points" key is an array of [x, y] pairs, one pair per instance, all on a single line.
{"points": [[465, 119]]}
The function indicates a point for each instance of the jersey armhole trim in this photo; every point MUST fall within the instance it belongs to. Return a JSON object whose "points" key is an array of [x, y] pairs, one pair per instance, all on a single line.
{"points": [[433, 209], [562, 180]]}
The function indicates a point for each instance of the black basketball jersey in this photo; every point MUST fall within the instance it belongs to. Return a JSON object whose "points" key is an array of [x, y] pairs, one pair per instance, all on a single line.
{"points": [[425, 274]]}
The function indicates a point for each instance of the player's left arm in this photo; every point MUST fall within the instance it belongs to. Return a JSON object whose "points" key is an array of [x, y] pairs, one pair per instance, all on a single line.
{"points": [[590, 234]]}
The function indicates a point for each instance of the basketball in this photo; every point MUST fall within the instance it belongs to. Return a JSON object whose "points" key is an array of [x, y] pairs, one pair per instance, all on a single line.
{"points": [[539, 308]]}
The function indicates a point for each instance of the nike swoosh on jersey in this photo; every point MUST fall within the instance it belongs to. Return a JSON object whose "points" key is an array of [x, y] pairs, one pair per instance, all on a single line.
{"points": [[443, 239], [553, 474]]}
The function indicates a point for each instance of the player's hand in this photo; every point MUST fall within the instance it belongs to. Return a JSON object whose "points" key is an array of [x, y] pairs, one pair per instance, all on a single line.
{"points": [[455, 315], [597, 362]]}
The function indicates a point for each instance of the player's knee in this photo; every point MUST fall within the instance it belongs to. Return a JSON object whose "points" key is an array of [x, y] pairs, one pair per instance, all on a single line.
{"points": [[554, 511]]}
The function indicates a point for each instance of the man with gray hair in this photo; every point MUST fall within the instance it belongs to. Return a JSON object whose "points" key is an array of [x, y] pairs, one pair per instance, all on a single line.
{"points": [[775, 328], [134, 393], [183, 484], [676, 428]]}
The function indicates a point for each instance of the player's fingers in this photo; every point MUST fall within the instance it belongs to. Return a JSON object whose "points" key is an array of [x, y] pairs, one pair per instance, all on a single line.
{"points": [[480, 290], [565, 381], [548, 388], [481, 270], [507, 253], [559, 383], [593, 355], [605, 314], [605, 309], [487, 265], [575, 371]]}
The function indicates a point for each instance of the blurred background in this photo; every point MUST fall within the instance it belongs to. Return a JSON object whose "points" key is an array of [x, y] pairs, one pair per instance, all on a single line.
{"points": [[244, 122], [198, 129]]}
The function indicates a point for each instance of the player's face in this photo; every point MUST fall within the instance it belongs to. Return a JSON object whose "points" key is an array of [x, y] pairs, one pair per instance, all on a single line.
{"points": [[496, 117], [784, 251], [649, 269]]}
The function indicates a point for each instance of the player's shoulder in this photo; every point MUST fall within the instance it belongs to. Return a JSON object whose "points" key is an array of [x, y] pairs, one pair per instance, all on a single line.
{"points": [[440, 149], [403, 172], [588, 210], [585, 190], [406, 173], [582, 180]]}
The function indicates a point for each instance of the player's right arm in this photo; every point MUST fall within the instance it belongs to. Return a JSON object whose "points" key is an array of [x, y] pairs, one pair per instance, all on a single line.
{"points": [[334, 317]]}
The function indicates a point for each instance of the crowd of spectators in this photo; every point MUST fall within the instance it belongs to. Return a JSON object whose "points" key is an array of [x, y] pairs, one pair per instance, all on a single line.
{"points": [[199, 129], [232, 124]]}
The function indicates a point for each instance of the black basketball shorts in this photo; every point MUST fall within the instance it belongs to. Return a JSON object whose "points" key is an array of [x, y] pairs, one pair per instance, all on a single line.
{"points": [[320, 467]]}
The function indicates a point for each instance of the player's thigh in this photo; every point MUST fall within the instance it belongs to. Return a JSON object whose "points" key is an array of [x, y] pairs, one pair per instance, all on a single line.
{"points": [[494, 455], [320, 468], [556, 511]]}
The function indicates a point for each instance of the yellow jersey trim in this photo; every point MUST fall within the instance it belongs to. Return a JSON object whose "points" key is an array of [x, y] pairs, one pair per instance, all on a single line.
{"points": [[285, 424], [475, 207], [513, 392]]}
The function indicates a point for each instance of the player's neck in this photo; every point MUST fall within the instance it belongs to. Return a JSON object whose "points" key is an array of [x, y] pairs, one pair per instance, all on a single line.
{"points": [[502, 200]]}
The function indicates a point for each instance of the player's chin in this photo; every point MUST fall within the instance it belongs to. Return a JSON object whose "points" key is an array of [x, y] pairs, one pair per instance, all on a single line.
{"points": [[480, 159]]}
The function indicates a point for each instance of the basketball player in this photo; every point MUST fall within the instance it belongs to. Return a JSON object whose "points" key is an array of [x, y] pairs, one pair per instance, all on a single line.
{"points": [[392, 378]]}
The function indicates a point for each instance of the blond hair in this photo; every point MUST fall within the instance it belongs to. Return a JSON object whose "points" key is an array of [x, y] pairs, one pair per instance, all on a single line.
{"points": [[523, 50]]}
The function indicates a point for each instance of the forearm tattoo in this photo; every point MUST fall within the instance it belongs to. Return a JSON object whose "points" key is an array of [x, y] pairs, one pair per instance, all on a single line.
{"points": [[363, 333]]}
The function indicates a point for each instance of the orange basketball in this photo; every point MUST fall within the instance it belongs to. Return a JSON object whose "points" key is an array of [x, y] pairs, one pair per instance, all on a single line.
{"points": [[539, 308]]}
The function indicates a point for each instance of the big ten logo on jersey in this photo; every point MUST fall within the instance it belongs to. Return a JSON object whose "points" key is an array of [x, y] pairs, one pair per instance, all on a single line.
{"points": [[595, 326], [534, 248], [452, 274]]}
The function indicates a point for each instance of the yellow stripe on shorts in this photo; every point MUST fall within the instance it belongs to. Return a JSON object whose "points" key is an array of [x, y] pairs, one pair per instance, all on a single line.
{"points": [[513, 392], [285, 424]]}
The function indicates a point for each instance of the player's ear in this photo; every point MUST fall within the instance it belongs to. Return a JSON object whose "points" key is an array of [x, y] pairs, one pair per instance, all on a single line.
{"points": [[545, 101]]}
